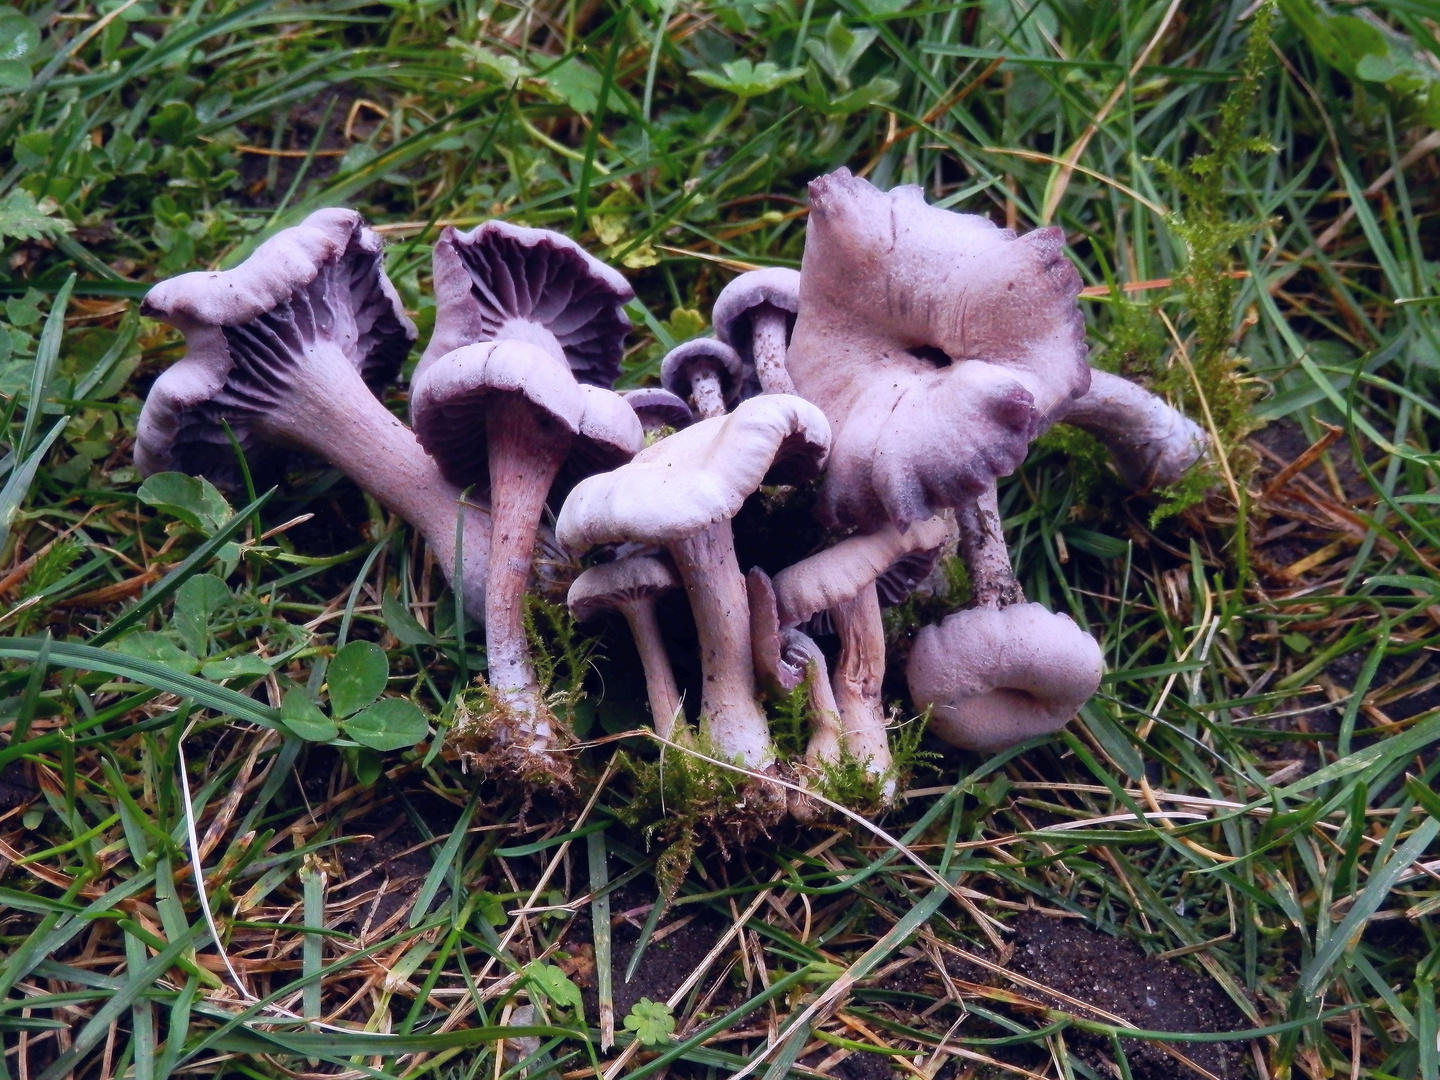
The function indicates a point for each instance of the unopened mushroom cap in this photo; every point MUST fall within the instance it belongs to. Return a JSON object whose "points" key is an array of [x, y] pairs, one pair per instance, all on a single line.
{"points": [[993, 677], [320, 285], [1152, 443], [735, 307], [697, 477], [623, 581], [841, 571], [682, 363], [502, 280], [658, 408]]}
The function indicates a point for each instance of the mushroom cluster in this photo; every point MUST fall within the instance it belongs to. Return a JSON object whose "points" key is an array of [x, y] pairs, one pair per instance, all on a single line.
{"points": [[891, 381]]}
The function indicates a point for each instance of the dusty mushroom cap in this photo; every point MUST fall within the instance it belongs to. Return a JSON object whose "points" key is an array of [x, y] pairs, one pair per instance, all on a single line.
{"points": [[606, 586], [502, 281], [697, 477], [1151, 443], [936, 343], [841, 571], [764, 302], [450, 399], [993, 677], [658, 408], [245, 330], [688, 369]]}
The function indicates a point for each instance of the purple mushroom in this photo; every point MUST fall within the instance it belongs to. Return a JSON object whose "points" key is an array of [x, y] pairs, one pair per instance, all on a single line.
{"points": [[1151, 443], [706, 372], [288, 348], [755, 313], [514, 409], [680, 494], [659, 409]]}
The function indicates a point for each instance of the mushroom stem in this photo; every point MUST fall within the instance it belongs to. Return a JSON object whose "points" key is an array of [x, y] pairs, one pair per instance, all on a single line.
{"points": [[1152, 443], [826, 732], [982, 546], [858, 671], [659, 679], [525, 455], [767, 339], [334, 415], [706, 392], [730, 716]]}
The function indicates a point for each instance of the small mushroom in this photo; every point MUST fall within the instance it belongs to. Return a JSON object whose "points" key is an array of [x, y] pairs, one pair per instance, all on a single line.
{"points": [[1151, 443], [1004, 671], [509, 415], [705, 371], [755, 313], [287, 349], [659, 409], [630, 585], [842, 580], [993, 677], [936, 344], [680, 493]]}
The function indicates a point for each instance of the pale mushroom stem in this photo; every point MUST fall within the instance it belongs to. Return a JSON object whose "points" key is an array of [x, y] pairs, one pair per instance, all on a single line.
{"points": [[826, 732], [659, 679], [730, 716], [982, 547], [706, 393], [334, 415], [525, 456], [767, 343], [859, 670]]}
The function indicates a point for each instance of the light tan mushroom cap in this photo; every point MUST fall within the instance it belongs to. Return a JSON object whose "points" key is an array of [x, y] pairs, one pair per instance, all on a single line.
{"points": [[994, 677], [623, 581], [689, 481], [838, 573]]}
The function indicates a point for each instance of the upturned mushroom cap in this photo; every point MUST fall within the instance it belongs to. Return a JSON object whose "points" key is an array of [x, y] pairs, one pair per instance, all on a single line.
{"points": [[319, 285], [936, 343], [658, 408], [993, 677], [449, 400], [841, 571], [697, 477], [681, 364], [506, 281], [607, 586]]}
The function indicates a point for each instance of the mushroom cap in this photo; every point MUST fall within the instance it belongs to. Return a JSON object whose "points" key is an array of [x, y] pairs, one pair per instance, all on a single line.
{"points": [[658, 408], [318, 285], [841, 571], [450, 399], [613, 584], [682, 363], [935, 342], [739, 301], [1151, 443], [507, 281], [993, 677], [688, 481]]}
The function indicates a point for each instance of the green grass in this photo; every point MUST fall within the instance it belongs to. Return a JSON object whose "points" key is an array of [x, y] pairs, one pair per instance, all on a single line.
{"points": [[1270, 647]]}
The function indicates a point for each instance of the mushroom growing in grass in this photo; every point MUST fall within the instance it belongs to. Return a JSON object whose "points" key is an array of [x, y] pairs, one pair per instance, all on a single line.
{"points": [[936, 343], [842, 580], [755, 313], [681, 494], [1005, 670], [706, 372], [1151, 443], [287, 349], [630, 585], [508, 415]]}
